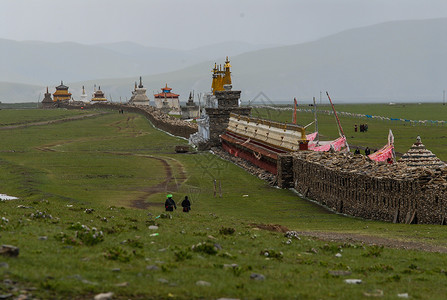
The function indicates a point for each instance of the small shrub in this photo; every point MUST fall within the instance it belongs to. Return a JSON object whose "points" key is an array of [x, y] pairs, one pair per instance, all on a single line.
{"points": [[40, 215], [118, 254], [227, 231], [272, 254], [380, 268], [77, 226], [66, 239], [394, 278], [373, 251], [206, 248], [182, 255], [331, 248], [165, 216], [237, 271], [110, 230], [89, 236], [135, 243], [226, 255]]}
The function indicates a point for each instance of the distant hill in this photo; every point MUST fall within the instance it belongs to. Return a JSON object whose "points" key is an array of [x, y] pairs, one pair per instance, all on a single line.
{"points": [[45, 63], [395, 61], [17, 92]]}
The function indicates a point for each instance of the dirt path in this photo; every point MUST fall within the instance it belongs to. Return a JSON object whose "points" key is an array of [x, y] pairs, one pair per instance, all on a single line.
{"points": [[74, 118], [171, 183], [357, 238], [373, 240]]}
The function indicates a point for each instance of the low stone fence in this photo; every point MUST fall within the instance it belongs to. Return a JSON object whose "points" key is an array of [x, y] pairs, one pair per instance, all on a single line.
{"points": [[159, 119], [358, 187]]}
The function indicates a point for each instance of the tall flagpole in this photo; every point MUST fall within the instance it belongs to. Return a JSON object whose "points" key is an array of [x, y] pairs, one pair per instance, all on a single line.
{"points": [[317, 137], [294, 111], [340, 129]]}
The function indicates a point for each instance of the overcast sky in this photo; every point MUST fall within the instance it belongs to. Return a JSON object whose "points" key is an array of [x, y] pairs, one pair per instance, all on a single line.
{"points": [[186, 24]]}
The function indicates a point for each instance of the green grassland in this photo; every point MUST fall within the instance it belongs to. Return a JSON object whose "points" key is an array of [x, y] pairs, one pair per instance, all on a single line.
{"points": [[98, 171]]}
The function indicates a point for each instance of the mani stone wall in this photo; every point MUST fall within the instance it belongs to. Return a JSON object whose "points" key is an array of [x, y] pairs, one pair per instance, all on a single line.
{"points": [[159, 119], [359, 187]]}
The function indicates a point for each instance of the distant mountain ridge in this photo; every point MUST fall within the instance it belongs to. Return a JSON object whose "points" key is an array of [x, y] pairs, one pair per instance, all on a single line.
{"points": [[394, 61]]}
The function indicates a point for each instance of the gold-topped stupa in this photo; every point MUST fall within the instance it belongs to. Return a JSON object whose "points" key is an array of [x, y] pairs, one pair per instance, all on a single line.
{"points": [[61, 94], [98, 96], [221, 77]]}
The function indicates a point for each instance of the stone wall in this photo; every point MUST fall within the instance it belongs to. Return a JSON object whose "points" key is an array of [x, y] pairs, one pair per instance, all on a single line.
{"points": [[160, 120], [219, 118], [358, 187]]}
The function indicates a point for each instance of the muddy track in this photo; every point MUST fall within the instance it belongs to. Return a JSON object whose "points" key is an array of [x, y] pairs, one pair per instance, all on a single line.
{"points": [[68, 119], [170, 183], [357, 238]]}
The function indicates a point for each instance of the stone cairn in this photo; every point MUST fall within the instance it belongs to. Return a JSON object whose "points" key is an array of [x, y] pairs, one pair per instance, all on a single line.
{"points": [[418, 156]]}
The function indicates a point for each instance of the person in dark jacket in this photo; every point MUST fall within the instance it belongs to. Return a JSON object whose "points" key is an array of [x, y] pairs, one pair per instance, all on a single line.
{"points": [[170, 204], [367, 151], [186, 204]]}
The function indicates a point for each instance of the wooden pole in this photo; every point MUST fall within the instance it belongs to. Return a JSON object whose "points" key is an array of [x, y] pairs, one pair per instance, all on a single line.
{"points": [[336, 116], [317, 138], [220, 189]]}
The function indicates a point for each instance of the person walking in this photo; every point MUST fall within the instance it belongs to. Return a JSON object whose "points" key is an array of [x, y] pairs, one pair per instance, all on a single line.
{"points": [[169, 203], [186, 204]]}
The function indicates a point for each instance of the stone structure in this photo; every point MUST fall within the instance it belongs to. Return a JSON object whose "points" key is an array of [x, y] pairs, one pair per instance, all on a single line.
{"points": [[218, 107], [168, 99], [47, 101], [218, 118], [98, 96], [84, 97], [61, 96], [191, 110], [139, 95], [418, 156], [354, 185]]}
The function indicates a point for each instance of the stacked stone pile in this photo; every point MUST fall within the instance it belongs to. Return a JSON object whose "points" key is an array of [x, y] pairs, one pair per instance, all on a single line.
{"points": [[419, 156], [361, 165], [357, 186]]}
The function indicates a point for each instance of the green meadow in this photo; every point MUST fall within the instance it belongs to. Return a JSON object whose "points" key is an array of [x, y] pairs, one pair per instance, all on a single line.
{"points": [[90, 189]]}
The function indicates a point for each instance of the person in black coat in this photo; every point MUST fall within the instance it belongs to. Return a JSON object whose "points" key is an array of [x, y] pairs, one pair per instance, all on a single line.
{"points": [[367, 151], [170, 204], [186, 204]]}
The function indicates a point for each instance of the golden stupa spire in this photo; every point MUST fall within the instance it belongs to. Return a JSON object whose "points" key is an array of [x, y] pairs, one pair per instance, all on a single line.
{"points": [[227, 73]]}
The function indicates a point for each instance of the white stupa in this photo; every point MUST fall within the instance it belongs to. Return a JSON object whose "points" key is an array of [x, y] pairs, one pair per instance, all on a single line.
{"points": [[84, 96], [139, 97]]}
